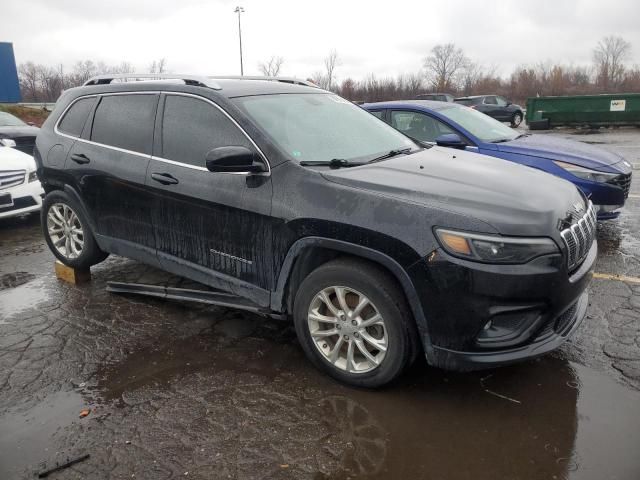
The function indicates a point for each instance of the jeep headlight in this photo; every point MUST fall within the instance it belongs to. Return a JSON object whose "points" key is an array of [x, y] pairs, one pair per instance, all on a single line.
{"points": [[494, 248], [586, 173]]}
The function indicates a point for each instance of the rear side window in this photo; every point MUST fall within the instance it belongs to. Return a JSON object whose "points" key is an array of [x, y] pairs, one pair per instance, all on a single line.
{"points": [[76, 116], [418, 125], [192, 127], [378, 113], [465, 101], [125, 121]]}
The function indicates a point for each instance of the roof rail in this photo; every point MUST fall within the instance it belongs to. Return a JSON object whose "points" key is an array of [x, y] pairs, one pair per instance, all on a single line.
{"points": [[195, 80], [292, 80]]}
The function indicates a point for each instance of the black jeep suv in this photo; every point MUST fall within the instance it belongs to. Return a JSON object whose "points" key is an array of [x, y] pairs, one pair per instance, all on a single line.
{"points": [[300, 204]]}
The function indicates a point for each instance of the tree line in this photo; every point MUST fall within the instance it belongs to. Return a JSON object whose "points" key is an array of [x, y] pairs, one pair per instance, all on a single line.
{"points": [[446, 69]]}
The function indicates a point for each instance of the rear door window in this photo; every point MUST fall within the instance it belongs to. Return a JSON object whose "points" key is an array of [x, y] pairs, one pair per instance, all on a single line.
{"points": [[76, 116], [490, 101], [192, 127], [125, 121], [418, 125]]}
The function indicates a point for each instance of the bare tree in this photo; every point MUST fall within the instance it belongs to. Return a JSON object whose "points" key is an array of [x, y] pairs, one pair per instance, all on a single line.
{"points": [[330, 63], [83, 71], [158, 66], [271, 68], [28, 73], [319, 78], [609, 57], [414, 83], [444, 66]]}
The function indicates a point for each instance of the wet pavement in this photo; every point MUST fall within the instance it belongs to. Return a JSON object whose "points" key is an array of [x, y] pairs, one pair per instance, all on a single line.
{"points": [[182, 390]]}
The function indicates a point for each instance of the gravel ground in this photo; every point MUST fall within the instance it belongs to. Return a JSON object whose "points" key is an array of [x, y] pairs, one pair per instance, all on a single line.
{"points": [[177, 390]]}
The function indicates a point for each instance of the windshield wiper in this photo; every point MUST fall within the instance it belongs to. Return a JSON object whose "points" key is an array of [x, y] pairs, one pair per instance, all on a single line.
{"points": [[333, 163], [391, 153], [341, 162]]}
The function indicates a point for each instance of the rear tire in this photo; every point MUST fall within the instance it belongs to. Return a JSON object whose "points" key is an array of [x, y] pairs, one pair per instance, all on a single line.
{"points": [[364, 346], [67, 233], [516, 119]]}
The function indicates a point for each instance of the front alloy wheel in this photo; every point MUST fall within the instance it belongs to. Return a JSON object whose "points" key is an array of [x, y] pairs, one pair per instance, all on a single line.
{"points": [[65, 230], [347, 329], [353, 322]]}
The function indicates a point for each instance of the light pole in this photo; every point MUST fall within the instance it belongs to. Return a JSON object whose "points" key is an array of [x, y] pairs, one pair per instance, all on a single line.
{"points": [[240, 10]]}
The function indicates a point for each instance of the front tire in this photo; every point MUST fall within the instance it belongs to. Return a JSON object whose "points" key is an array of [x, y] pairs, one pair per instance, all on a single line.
{"points": [[516, 119], [67, 233], [353, 323]]}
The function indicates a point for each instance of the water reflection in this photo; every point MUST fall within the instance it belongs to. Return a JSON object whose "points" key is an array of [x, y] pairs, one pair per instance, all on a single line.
{"points": [[258, 402]]}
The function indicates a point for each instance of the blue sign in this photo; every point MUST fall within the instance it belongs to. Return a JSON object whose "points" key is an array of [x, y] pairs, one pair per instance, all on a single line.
{"points": [[9, 85]]}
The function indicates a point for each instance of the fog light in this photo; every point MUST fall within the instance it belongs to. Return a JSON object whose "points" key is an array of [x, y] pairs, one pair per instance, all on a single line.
{"points": [[509, 328]]}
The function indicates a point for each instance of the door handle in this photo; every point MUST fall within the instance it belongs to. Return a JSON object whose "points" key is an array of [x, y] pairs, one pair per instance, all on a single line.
{"points": [[80, 158], [164, 178]]}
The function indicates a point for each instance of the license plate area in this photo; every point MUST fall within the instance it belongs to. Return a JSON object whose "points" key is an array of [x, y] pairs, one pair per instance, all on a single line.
{"points": [[6, 200]]}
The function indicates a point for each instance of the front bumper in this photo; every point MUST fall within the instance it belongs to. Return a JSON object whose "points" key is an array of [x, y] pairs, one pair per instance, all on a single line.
{"points": [[27, 198], [547, 340], [481, 315]]}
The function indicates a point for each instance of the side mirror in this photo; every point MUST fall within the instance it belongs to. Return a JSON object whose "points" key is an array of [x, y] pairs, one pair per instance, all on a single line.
{"points": [[31, 124], [451, 140], [234, 160]]}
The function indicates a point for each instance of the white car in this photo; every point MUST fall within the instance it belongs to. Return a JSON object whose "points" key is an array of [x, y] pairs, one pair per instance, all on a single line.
{"points": [[20, 189]]}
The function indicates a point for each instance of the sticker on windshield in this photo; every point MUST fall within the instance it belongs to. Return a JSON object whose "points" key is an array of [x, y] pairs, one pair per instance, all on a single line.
{"points": [[618, 106]]}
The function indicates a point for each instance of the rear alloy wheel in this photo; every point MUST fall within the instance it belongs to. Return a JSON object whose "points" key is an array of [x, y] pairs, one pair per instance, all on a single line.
{"points": [[516, 120], [353, 322], [65, 230]]}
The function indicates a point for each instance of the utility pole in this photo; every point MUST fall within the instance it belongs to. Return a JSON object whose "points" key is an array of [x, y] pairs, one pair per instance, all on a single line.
{"points": [[240, 10]]}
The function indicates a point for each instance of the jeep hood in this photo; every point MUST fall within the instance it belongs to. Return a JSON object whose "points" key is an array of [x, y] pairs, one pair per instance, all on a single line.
{"points": [[514, 199], [554, 148]]}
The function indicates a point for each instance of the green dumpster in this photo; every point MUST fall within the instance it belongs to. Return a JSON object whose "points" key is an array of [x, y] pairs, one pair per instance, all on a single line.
{"points": [[583, 110]]}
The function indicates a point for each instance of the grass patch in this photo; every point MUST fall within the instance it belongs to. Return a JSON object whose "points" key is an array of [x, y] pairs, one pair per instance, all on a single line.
{"points": [[37, 116]]}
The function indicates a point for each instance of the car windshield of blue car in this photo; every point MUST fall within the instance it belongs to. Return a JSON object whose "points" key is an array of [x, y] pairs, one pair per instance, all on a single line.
{"points": [[8, 120], [321, 127], [481, 126]]}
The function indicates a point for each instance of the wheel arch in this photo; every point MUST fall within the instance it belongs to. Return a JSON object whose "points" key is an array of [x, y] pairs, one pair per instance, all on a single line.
{"points": [[308, 253]]}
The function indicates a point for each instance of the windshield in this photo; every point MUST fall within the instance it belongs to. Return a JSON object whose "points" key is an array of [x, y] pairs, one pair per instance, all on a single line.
{"points": [[322, 127], [8, 120], [480, 125]]}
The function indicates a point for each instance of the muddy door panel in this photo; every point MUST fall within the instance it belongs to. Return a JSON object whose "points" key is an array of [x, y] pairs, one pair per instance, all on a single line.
{"points": [[214, 225], [212, 221]]}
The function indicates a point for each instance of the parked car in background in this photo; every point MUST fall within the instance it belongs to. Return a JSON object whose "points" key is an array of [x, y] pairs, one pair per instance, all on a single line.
{"points": [[17, 134], [604, 176], [20, 190], [495, 106], [436, 97]]}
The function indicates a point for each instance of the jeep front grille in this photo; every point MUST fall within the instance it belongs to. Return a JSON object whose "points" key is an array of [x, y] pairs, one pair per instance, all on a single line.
{"points": [[579, 237], [11, 178]]}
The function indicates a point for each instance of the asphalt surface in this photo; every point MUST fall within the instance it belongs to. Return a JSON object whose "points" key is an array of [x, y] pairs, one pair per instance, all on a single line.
{"points": [[181, 390]]}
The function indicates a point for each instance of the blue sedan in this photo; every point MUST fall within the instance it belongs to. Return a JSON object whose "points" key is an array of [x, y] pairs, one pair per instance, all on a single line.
{"points": [[603, 176]]}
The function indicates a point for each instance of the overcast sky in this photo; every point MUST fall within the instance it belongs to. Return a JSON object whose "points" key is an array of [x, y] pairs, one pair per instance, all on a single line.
{"points": [[383, 37]]}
